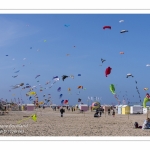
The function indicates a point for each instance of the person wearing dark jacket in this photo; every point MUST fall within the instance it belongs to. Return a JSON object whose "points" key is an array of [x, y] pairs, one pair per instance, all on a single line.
{"points": [[61, 112]]}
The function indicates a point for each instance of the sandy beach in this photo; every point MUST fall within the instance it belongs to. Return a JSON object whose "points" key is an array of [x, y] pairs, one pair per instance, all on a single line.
{"points": [[49, 123]]}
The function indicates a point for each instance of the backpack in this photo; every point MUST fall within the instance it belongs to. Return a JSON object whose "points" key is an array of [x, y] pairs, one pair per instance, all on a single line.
{"points": [[136, 125]]}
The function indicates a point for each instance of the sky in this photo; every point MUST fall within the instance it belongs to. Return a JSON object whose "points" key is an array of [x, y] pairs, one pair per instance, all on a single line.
{"points": [[22, 38]]}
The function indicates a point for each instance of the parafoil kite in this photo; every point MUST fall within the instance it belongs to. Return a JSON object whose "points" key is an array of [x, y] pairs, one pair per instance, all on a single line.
{"points": [[145, 89], [121, 52], [80, 87], [31, 93], [129, 75], [123, 31], [107, 27], [66, 25], [102, 60], [65, 101], [37, 76], [16, 71], [108, 71], [79, 100], [79, 74], [146, 99], [56, 78], [62, 101], [64, 77], [15, 76], [59, 89], [72, 76], [121, 21], [112, 88], [60, 95]]}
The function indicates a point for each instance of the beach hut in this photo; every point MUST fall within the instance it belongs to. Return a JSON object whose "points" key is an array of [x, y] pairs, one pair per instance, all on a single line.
{"points": [[136, 109], [83, 107], [125, 109], [119, 108], [30, 107]]}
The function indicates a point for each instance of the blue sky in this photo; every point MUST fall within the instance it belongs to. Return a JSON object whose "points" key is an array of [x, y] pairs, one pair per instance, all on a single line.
{"points": [[20, 32]]}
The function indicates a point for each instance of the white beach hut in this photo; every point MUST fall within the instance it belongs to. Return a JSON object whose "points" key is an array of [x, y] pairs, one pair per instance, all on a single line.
{"points": [[120, 109], [30, 107], [83, 107], [136, 109]]}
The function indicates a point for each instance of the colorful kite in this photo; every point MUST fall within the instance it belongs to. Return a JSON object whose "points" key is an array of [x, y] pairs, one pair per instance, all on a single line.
{"points": [[108, 71], [112, 88]]}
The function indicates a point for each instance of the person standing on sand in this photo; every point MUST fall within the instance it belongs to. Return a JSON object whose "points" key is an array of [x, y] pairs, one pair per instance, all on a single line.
{"points": [[108, 111], [72, 109], [62, 111], [113, 113]]}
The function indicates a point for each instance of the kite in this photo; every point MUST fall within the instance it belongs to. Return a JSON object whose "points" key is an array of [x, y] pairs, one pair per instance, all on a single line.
{"points": [[28, 86], [67, 54], [123, 31], [16, 71], [37, 76], [65, 101], [129, 74], [31, 93], [21, 84], [30, 47], [47, 82], [24, 58], [145, 89], [60, 95], [148, 65], [146, 99], [72, 76], [6, 55], [121, 21], [80, 87], [102, 60], [30, 98], [107, 27], [112, 88], [13, 59], [15, 76], [34, 118], [59, 89], [69, 89], [79, 74], [64, 77], [55, 78], [66, 25], [44, 40], [16, 86], [108, 71], [62, 101], [121, 52], [79, 100]]}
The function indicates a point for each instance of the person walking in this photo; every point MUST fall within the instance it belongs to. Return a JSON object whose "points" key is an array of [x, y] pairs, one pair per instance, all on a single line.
{"points": [[62, 111]]}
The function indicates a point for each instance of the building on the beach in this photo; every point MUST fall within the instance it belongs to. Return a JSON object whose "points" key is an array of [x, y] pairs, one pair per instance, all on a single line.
{"points": [[83, 107], [30, 107], [125, 109], [119, 109], [136, 109]]}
